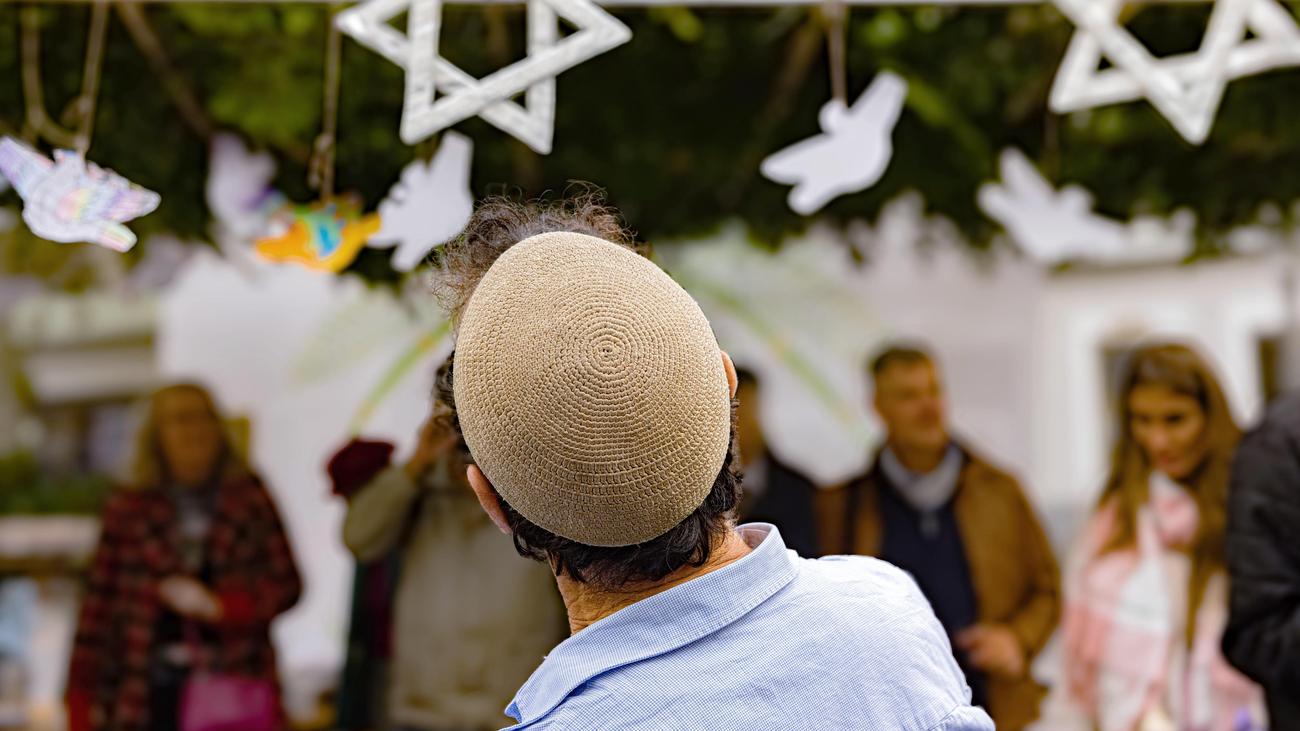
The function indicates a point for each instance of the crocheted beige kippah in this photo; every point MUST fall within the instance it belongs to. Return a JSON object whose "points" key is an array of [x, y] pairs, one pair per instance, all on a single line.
{"points": [[591, 390]]}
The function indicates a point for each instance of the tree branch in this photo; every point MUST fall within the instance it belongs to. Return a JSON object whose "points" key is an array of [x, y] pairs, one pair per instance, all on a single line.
{"points": [[800, 54], [150, 46], [38, 120]]}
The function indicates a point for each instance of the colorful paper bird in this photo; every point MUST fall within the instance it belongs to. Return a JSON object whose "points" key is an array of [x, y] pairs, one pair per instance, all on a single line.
{"points": [[326, 235], [71, 200]]}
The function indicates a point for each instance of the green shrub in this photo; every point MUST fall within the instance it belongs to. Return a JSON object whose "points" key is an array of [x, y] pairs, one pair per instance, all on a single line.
{"points": [[27, 488]]}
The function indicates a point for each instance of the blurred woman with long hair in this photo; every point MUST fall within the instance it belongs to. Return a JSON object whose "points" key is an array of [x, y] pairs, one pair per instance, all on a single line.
{"points": [[192, 567], [1146, 593]]}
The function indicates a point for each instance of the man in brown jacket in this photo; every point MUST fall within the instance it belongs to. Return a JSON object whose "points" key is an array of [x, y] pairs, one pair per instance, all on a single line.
{"points": [[962, 528]]}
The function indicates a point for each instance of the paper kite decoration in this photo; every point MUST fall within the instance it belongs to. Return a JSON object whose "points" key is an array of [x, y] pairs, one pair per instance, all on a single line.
{"points": [[70, 200], [430, 204], [325, 236], [851, 153]]}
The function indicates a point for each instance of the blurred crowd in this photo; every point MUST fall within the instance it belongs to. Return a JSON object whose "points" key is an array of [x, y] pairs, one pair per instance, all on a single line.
{"points": [[1178, 607]]}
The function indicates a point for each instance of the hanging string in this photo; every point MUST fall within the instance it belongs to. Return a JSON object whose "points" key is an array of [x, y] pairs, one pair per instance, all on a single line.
{"points": [[38, 120], [836, 15], [320, 173], [90, 75]]}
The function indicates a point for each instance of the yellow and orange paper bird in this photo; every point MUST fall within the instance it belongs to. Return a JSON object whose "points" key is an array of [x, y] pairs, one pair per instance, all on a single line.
{"points": [[325, 235]]}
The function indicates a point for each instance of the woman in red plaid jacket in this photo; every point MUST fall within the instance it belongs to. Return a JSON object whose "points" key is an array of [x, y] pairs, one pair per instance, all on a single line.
{"points": [[192, 567]]}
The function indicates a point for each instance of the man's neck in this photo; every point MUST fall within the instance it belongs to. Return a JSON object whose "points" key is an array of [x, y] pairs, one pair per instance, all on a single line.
{"points": [[587, 605], [919, 461]]}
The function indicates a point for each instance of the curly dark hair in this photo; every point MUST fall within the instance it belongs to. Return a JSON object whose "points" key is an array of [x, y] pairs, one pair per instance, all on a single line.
{"points": [[496, 225], [501, 222]]}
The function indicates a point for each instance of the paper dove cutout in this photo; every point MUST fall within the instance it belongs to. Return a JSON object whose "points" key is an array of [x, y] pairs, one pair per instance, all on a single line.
{"points": [[238, 189], [70, 200], [851, 153], [430, 204], [1049, 225], [326, 235]]}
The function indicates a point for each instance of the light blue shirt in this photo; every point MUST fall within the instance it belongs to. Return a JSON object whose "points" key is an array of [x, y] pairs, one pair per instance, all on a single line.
{"points": [[771, 641]]}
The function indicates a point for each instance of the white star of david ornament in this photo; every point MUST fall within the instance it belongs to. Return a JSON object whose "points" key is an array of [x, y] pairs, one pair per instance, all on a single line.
{"points": [[1186, 88], [490, 97]]}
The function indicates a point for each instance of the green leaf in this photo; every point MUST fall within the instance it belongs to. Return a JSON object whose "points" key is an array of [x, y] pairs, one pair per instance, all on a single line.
{"points": [[886, 30], [684, 24]]}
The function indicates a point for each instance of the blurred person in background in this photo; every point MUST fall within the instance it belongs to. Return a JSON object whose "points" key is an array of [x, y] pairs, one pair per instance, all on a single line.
{"points": [[192, 567], [1146, 591], [362, 697], [1263, 635], [470, 620], [773, 491], [964, 530]]}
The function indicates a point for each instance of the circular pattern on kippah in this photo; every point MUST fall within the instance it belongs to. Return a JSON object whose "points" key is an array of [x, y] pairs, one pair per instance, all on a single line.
{"points": [[590, 390]]}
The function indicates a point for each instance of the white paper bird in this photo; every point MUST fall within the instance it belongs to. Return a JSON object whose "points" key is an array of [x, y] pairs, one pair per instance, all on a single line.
{"points": [[851, 153], [430, 204], [70, 200], [1049, 225], [239, 191]]}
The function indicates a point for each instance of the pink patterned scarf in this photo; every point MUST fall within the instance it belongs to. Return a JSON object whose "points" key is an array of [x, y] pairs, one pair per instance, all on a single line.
{"points": [[1126, 664]]}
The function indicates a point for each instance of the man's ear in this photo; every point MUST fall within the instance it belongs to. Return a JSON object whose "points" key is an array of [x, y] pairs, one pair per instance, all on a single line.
{"points": [[487, 497], [733, 382]]}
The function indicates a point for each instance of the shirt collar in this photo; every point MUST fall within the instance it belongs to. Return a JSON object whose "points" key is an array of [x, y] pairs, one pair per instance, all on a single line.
{"points": [[661, 623]]}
